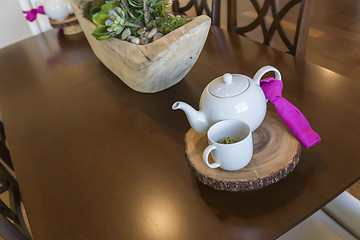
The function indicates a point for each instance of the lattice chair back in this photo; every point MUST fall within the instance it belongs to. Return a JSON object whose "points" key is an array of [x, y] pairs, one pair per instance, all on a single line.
{"points": [[275, 10], [4, 152], [12, 220], [200, 7]]}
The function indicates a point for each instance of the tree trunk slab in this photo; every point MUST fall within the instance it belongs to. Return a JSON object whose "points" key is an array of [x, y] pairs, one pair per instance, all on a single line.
{"points": [[276, 154], [70, 25]]}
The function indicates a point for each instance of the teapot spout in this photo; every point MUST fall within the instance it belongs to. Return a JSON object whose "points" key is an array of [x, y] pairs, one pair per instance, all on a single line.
{"points": [[196, 119]]}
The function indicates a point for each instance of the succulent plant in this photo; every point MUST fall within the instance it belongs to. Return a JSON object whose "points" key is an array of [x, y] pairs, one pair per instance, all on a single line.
{"points": [[92, 7], [118, 21], [116, 15]]}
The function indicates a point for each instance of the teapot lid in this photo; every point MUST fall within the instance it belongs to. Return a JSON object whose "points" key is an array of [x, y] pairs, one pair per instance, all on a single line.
{"points": [[228, 85]]}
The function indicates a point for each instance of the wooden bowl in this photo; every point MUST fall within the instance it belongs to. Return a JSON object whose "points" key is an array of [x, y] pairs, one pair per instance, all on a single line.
{"points": [[153, 67]]}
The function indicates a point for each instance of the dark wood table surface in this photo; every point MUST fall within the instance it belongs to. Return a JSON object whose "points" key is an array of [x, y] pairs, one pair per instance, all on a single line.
{"points": [[97, 160]]}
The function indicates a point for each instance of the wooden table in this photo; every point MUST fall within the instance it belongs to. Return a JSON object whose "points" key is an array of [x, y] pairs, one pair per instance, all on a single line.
{"points": [[97, 160]]}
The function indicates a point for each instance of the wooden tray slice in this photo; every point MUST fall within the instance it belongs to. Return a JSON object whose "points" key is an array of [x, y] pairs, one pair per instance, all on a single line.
{"points": [[70, 25], [276, 154]]}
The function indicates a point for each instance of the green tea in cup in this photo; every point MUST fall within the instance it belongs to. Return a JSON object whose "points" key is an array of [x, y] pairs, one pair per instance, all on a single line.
{"points": [[228, 140]]}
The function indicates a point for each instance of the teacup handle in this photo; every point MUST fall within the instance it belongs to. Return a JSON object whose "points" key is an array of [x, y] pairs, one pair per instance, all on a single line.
{"points": [[206, 153], [260, 73]]}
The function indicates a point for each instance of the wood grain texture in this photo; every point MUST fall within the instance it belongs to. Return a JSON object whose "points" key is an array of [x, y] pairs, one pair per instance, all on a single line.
{"points": [[153, 67], [276, 154], [72, 20], [96, 160], [355, 190]]}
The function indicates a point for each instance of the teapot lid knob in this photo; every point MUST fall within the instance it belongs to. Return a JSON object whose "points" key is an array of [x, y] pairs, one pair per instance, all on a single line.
{"points": [[227, 77], [228, 85]]}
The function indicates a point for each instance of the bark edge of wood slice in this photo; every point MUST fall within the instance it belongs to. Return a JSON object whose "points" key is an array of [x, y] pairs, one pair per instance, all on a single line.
{"points": [[276, 154], [70, 25]]}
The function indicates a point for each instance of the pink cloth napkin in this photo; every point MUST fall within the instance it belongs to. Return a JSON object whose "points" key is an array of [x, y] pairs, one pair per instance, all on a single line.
{"points": [[31, 15], [291, 116]]}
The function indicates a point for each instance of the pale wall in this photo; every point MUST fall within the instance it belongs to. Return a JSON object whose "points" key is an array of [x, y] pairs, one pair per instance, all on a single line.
{"points": [[13, 25]]}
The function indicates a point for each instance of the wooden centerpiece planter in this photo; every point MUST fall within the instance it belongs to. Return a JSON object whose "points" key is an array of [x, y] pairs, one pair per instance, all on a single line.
{"points": [[153, 67]]}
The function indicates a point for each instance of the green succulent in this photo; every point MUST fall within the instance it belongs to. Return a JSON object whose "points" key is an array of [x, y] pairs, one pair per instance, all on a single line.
{"points": [[158, 8], [136, 3], [118, 21], [86, 10], [115, 15], [92, 7], [169, 24], [153, 5], [100, 17]]}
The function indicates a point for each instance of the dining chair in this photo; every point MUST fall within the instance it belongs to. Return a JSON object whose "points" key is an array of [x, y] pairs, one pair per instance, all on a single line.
{"points": [[11, 213], [4, 151], [5, 155], [269, 17], [345, 210], [340, 219], [200, 7], [9, 231]]}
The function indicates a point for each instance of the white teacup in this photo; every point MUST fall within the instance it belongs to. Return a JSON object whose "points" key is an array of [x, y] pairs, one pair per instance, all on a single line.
{"points": [[233, 156]]}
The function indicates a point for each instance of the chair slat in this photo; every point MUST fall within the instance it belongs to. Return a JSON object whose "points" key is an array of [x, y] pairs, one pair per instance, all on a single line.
{"points": [[200, 7], [295, 46], [9, 231]]}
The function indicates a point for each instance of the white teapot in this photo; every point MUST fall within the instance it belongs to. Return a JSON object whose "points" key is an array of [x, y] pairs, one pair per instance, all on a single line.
{"points": [[231, 96], [58, 10]]}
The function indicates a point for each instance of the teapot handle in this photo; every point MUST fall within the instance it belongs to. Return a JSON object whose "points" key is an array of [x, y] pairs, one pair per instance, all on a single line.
{"points": [[258, 75]]}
